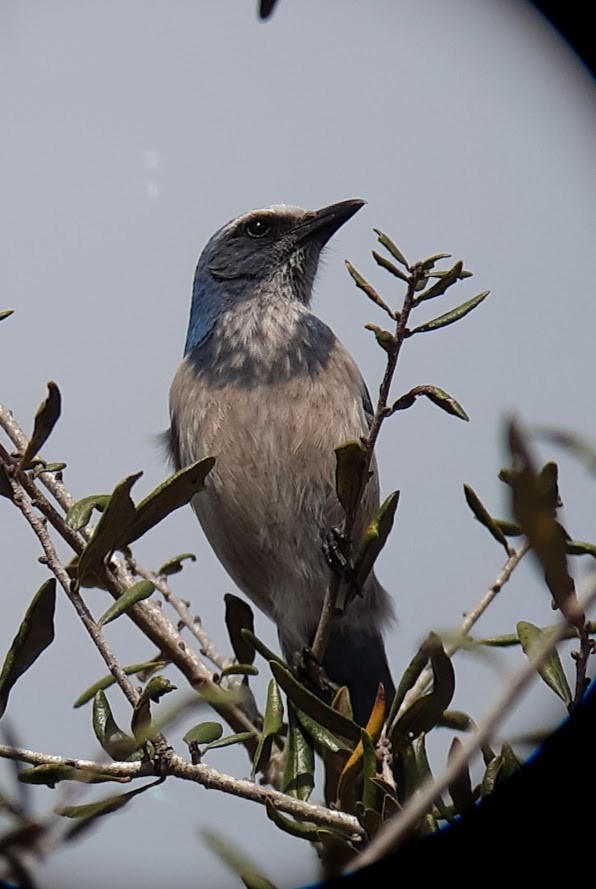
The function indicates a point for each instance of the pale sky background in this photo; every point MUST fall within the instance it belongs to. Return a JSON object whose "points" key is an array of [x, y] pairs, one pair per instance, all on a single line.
{"points": [[130, 132]]}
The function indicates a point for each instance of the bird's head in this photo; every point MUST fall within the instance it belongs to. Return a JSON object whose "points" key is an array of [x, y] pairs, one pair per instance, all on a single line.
{"points": [[273, 252]]}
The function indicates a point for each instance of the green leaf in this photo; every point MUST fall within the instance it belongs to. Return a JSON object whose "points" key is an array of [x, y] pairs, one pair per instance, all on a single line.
{"points": [[6, 313], [298, 777], [533, 639], [34, 635], [425, 712], [482, 514], [204, 733], [237, 861], [452, 316], [290, 825], [388, 266], [438, 396], [491, 776], [259, 646], [368, 289], [375, 538], [534, 497], [369, 771], [136, 593], [50, 774], [108, 680], [430, 263], [87, 814], [176, 491], [46, 417], [408, 680], [141, 718], [174, 565], [509, 529], [323, 739], [313, 706], [272, 726], [388, 244], [461, 786], [349, 473], [240, 670], [580, 548], [111, 530], [444, 282], [239, 616], [112, 739], [229, 740], [385, 339], [80, 512]]}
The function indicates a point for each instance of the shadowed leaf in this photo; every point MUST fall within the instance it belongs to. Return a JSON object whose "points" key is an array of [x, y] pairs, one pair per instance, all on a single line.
{"points": [[51, 774], [46, 417], [375, 538], [368, 289], [108, 680], [580, 548], [438, 396], [6, 313], [34, 635], [117, 517], [444, 282], [298, 777], [88, 813], [482, 514], [452, 316], [323, 739], [5, 485], [408, 680], [112, 739], [176, 491], [313, 706], [461, 786], [272, 726], [239, 616], [388, 266], [237, 861], [533, 639], [140, 723], [349, 473]]}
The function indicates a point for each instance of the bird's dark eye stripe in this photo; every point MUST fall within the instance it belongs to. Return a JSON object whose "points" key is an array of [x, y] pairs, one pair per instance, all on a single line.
{"points": [[258, 228]]}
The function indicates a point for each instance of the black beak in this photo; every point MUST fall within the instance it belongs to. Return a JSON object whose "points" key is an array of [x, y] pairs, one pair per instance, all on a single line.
{"points": [[320, 225]]}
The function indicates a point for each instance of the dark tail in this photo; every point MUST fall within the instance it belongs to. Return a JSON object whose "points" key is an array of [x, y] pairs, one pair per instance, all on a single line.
{"points": [[356, 657]]}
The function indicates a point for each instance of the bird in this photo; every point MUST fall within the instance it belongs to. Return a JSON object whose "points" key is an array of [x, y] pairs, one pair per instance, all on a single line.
{"points": [[267, 388]]}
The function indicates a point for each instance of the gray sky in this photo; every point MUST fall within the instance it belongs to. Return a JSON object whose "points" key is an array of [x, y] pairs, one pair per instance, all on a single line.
{"points": [[131, 131]]}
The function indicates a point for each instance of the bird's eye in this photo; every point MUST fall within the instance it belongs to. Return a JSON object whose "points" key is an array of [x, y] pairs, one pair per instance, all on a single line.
{"points": [[258, 228]]}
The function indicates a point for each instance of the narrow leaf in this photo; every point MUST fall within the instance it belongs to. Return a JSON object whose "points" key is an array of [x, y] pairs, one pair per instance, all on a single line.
{"points": [[50, 774], [368, 289], [385, 339], [322, 737], [580, 548], [108, 680], [452, 316], [444, 282], [533, 639], [80, 512], [176, 491], [290, 825], [408, 680], [482, 514], [111, 529], [229, 740], [259, 646], [272, 726], [298, 777], [349, 473], [136, 593], [388, 244], [46, 418], [461, 786], [6, 313], [85, 815], [112, 739], [438, 396], [237, 861], [375, 538], [34, 635], [388, 266], [313, 706], [239, 616], [429, 263], [174, 565]]}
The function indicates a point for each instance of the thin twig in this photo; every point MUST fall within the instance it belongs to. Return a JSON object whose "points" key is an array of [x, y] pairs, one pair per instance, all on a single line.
{"points": [[468, 622], [394, 346]]}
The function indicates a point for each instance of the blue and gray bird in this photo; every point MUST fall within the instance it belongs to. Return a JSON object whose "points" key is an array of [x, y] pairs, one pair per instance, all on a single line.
{"points": [[267, 388]]}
